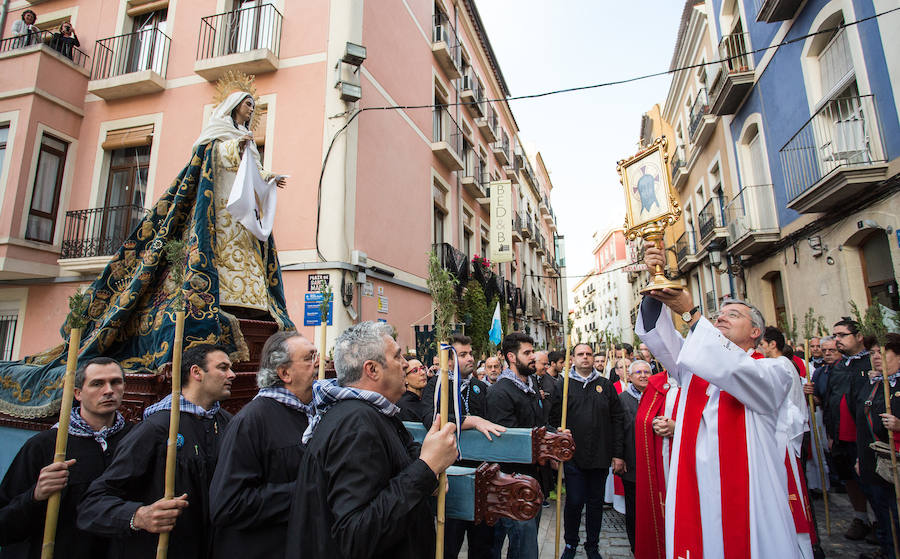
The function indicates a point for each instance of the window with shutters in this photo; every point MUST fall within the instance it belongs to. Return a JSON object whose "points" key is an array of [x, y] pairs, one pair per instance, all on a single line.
{"points": [[44, 204]]}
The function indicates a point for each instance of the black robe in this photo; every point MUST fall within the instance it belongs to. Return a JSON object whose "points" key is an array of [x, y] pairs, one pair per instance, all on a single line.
{"points": [[411, 407], [136, 477], [509, 406], [595, 418], [22, 518], [251, 490], [362, 492]]}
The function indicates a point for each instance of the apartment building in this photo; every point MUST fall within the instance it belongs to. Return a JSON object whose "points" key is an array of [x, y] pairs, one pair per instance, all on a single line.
{"points": [[92, 140]]}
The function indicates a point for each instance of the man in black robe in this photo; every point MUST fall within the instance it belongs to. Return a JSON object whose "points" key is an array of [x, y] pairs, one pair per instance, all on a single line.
{"points": [[95, 429], [514, 401], [595, 418], [363, 484], [250, 493], [127, 501]]}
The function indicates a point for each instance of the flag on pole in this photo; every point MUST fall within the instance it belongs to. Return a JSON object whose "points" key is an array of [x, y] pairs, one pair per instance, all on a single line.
{"points": [[496, 333]]}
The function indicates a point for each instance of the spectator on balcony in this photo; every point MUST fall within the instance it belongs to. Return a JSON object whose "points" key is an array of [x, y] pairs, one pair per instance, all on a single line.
{"points": [[95, 430], [65, 40], [26, 29]]}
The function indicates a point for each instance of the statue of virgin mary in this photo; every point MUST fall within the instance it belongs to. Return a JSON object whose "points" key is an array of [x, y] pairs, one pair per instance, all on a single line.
{"points": [[222, 207]]}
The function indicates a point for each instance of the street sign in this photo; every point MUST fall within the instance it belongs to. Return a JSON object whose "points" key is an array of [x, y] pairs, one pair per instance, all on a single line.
{"points": [[382, 304], [312, 313], [318, 281], [635, 268], [314, 297]]}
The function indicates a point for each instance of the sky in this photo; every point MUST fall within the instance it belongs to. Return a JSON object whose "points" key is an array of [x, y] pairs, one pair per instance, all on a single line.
{"points": [[545, 45]]}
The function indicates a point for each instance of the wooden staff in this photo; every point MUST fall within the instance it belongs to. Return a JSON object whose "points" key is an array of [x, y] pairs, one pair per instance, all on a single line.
{"points": [[442, 480], [887, 410], [323, 340], [814, 423], [562, 426], [62, 440], [162, 547]]}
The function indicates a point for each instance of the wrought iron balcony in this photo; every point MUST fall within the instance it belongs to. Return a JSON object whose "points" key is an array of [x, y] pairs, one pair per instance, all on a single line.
{"points": [[130, 64], [679, 168], [501, 148], [701, 124], [454, 261], [447, 139], [45, 38], [488, 123], [445, 45], [835, 156], [246, 39], [733, 83], [686, 249], [751, 220], [771, 11], [709, 219], [475, 175], [98, 231], [472, 93]]}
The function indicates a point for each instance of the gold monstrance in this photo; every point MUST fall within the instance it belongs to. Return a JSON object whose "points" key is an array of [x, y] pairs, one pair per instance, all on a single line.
{"points": [[650, 203]]}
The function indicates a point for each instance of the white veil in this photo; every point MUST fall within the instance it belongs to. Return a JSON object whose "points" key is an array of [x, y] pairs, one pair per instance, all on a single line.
{"points": [[222, 127]]}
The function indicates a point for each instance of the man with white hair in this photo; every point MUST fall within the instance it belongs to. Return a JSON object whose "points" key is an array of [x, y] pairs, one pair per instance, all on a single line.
{"points": [[727, 461], [363, 483], [250, 493]]}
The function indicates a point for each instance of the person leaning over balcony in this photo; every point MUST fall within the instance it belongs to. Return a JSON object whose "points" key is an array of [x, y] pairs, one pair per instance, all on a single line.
{"points": [[65, 40], [95, 430], [26, 29]]}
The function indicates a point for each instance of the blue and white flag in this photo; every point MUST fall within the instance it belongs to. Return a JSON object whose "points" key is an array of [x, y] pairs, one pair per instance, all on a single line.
{"points": [[496, 333]]}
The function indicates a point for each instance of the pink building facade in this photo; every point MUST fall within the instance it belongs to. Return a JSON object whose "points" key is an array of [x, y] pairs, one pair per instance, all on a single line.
{"points": [[88, 142]]}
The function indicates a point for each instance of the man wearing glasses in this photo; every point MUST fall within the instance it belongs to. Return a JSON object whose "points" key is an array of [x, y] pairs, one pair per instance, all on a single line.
{"points": [[251, 490], [728, 464], [840, 425]]}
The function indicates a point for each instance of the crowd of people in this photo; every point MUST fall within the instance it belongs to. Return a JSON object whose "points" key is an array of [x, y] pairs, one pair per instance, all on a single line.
{"points": [[706, 435], [26, 32]]}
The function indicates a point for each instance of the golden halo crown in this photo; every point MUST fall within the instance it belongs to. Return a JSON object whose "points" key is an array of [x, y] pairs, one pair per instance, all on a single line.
{"points": [[238, 81]]}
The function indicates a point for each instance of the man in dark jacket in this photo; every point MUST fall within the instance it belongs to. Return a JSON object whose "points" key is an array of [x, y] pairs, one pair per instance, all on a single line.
{"points": [[127, 502], [595, 418], [250, 493], [95, 429], [363, 484], [638, 377], [839, 414]]}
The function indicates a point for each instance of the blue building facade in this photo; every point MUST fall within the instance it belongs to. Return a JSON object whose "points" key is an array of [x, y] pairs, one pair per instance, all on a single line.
{"points": [[816, 141]]}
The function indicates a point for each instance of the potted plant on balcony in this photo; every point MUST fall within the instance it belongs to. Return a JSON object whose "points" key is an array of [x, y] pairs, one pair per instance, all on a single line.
{"points": [[481, 269]]}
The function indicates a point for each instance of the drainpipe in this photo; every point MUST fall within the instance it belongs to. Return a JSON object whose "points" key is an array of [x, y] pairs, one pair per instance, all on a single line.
{"points": [[4, 10]]}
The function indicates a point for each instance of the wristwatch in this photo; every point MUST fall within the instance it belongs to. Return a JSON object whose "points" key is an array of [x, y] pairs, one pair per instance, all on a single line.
{"points": [[687, 316]]}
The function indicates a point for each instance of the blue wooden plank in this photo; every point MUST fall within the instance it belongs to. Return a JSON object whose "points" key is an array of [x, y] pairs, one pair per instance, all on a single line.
{"points": [[461, 493], [11, 440], [513, 447]]}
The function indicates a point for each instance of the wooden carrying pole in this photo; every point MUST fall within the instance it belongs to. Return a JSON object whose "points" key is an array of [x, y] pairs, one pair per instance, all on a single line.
{"points": [[442, 479], [62, 439], [162, 547], [814, 425], [894, 474], [562, 426], [322, 341]]}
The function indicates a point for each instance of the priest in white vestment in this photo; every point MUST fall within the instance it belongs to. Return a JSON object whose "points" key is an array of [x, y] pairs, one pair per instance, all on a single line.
{"points": [[727, 492]]}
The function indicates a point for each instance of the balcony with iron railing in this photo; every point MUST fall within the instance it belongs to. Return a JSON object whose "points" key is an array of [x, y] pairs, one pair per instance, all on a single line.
{"points": [[736, 76], [472, 93], [835, 156], [30, 65], [93, 235], [710, 222], [500, 148], [246, 39], [530, 176], [710, 303], [686, 250], [488, 123], [517, 228], [679, 168], [447, 139], [544, 206], [515, 164], [770, 11], [445, 46], [752, 220], [130, 64], [702, 123], [475, 175], [454, 261], [532, 226], [524, 225]]}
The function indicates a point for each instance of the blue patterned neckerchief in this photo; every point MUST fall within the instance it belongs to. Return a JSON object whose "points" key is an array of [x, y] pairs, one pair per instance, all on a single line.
{"points": [[573, 374], [284, 396], [634, 391], [859, 355], [184, 405], [892, 379], [327, 393], [78, 427], [526, 388]]}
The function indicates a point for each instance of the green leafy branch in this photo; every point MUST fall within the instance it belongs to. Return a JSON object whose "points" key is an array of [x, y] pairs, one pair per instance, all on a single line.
{"points": [[443, 292], [175, 254], [78, 305], [327, 296]]}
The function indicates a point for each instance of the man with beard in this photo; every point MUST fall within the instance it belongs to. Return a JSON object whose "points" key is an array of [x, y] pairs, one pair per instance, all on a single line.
{"points": [[127, 502], [595, 417], [250, 493], [840, 424], [514, 401], [95, 429]]}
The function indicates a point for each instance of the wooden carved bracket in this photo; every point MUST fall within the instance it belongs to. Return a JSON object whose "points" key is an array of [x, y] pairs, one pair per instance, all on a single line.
{"points": [[504, 495], [546, 445]]}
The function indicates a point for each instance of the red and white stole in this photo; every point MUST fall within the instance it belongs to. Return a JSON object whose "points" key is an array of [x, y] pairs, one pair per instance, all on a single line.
{"points": [[734, 475]]}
